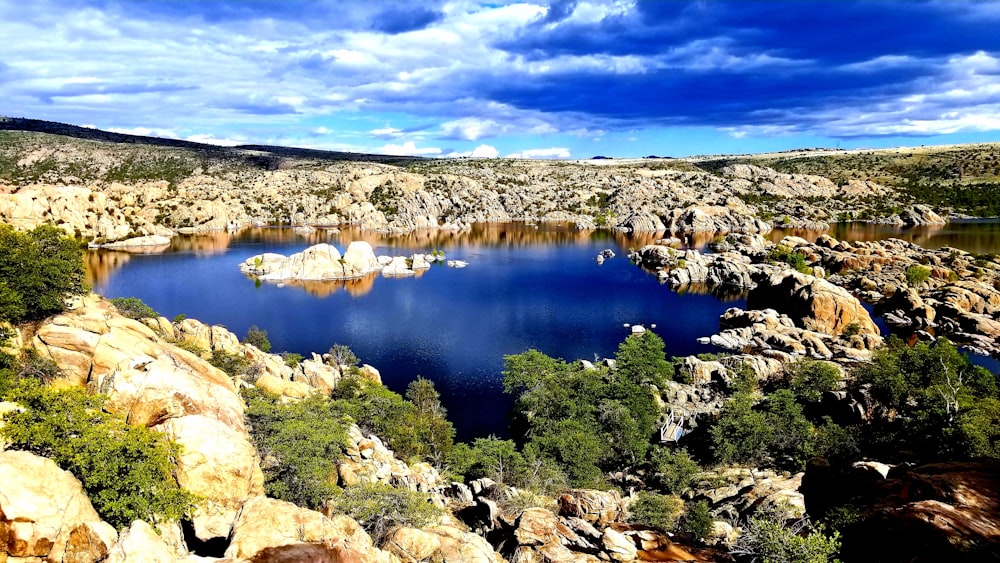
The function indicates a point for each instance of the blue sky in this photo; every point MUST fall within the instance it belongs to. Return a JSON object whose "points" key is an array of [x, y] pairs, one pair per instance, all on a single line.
{"points": [[541, 79]]}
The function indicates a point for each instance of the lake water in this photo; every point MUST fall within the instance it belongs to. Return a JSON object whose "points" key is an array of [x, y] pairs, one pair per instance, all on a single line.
{"points": [[525, 287]]}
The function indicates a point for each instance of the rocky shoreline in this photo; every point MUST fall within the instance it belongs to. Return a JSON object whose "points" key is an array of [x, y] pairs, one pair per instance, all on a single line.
{"points": [[82, 186], [920, 293]]}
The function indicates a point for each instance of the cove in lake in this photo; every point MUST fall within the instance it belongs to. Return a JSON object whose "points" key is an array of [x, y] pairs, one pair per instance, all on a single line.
{"points": [[525, 287]]}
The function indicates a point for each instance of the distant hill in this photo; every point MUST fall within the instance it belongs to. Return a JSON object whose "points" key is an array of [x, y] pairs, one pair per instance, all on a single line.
{"points": [[91, 134]]}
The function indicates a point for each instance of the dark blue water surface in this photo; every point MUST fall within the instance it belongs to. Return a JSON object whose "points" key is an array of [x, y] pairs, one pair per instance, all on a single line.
{"points": [[524, 288]]}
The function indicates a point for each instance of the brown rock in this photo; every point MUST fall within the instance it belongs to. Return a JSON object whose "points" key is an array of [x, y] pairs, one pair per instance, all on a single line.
{"points": [[273, 530], [140, 544], [597, 507], [813, 303], [45, 513]]}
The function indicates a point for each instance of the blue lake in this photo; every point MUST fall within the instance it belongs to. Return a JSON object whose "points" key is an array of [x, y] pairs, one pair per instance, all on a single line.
{"points": [[524, 288]]}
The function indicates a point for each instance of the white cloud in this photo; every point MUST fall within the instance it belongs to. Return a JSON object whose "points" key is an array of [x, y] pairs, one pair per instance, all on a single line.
{"points": [[552, 152], [145, 132], [322, 130], [482, 151], [386, 133], [409, 148], [212, 140], [470, 128], [485, 151]]}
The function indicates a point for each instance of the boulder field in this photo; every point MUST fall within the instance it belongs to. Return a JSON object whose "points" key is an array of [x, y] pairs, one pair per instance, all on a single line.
{"points": [[150, 380], [926, 293], [323, 261]]}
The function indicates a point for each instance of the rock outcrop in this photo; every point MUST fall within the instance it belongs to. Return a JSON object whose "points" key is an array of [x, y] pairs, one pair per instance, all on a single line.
{"points": [[276, 527], [813, 303], [153, 383], [318, 262], [937, 512], [45, 514]]}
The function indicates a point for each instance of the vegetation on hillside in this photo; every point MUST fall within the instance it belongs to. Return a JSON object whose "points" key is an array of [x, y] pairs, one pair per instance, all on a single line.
{"points": [[38, 270], [127, 471]]}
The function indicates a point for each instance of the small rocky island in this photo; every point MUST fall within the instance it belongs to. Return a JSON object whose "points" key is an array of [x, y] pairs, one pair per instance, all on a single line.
{"points": [[323, 261]]}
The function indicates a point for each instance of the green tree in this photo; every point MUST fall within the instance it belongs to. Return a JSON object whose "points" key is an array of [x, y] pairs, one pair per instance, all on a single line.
{"points": [[435, 435], [809, 379], [258, 338], [489, 457], [380, 411], [134, 308], [924, 399], [342, 355], [299, 444], [742, 434], [127, 471], [641, 359], [38, 269], [672, 470], [697, 520]]}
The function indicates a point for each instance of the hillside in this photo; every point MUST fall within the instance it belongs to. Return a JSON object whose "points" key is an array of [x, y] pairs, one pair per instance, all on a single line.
{"points": [[105, 186]]}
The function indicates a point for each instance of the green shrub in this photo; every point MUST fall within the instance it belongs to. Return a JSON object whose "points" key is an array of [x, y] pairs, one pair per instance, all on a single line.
{"points": [[658, 511], [435, 435], [342, 355], [126, 471], [673, 470], [258, 338], [291, 359], [233, 364], [380, 509], [784, 255], [134, 308], [697, 520], [809, 379], [916, 275], [38, 269], [769, 537], [489, 457], [299, 444]]}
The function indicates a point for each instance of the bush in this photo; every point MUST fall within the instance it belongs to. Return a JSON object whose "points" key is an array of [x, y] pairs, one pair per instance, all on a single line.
{"points": [[258, 338], [673, 470], [784, 255], [809, 379], [341, 355], [380, 509], [134, 308], [916, 275], [658, 511], [126, 471], [697, 520], [233, 364], [291, 359], [299, 444], [38, 269], [769, 537]]}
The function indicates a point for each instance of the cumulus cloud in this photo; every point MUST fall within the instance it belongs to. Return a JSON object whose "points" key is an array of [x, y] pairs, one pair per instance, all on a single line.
{"points": [[145, 132], [474, 71], [386, 133], [552, 152], [482, 151], [409, 148]]}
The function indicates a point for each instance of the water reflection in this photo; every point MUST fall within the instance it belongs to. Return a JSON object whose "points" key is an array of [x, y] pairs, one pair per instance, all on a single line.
{"points": [[324, 288], [979, 237]]}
